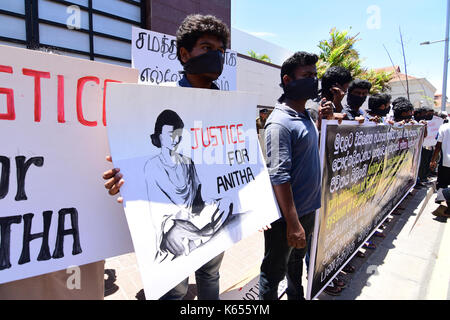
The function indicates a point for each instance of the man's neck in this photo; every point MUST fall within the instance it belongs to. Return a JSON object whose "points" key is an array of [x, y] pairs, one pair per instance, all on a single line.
{"points": [[198, 81], [298, 105]]}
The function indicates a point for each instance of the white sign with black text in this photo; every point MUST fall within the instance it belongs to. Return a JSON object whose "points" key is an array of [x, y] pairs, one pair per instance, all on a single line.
{"points": [[195, 178], [154, 54]]}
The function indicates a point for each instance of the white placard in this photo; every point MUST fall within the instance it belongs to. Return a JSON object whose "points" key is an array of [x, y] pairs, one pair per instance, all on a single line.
{"points": [[53, 147], [203, 189], [432, 131], [154, 54]]}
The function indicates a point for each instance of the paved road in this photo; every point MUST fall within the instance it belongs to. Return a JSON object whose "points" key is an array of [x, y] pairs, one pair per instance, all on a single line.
{"points": [[406, 265]]}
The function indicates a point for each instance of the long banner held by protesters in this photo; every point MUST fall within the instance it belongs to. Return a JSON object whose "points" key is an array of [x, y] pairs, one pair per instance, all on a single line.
{"points": [[367, 170], [54, 209]]}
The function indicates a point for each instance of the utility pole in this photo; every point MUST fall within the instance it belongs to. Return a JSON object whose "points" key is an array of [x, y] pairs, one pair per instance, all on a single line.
{"points": [[444, 82], [404, 61]]}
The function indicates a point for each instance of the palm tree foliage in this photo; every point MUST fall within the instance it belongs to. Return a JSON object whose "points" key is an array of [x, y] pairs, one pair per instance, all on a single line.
{"points": [[339, 50], [263, 57]]}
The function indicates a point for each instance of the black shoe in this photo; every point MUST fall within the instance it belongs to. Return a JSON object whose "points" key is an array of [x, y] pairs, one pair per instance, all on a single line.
{"points": [[419, 185], [339, 283], [333, 290]]}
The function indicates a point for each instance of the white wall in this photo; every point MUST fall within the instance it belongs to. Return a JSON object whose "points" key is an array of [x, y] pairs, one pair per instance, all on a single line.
{"points": [[244, 42], [260, 78]]}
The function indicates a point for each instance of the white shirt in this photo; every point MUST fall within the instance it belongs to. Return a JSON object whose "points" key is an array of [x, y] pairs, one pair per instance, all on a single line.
{"points": [[444, 138]]}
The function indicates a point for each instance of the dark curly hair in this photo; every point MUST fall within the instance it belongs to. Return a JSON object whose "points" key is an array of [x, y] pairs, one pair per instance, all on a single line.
{"points": [[402, 105], [418, 111], [300, 58], [196, 25], [333, 75], [359, 84], [399, 99], [169, 118], [377, 100]]}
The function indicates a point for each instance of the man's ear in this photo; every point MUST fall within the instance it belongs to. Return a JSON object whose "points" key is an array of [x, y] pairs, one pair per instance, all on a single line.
{"points": [[184, 55], [286, 79]]}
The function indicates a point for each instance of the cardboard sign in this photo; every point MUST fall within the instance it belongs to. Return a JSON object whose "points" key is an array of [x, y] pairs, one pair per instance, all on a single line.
{"points": [[154, 54], [54, 209], [196, 182], [432, 131]]}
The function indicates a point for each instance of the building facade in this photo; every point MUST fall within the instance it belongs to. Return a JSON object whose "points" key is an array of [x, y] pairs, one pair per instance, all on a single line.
{"points": [[421, 91], [100, 30]]}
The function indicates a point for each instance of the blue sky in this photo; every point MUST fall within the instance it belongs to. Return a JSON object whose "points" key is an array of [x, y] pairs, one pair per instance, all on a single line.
{"points": [[300, 25]]}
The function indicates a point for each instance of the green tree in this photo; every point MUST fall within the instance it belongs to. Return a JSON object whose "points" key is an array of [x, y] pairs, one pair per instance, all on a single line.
{"points": [[339, 50], [263, 57]]}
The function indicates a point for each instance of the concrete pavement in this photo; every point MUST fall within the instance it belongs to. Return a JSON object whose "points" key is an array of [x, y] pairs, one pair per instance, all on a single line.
{"points": [[405, 265]]}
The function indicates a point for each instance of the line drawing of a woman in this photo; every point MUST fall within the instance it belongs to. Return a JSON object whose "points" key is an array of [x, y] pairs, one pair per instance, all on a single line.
{"points": [[190, 218]]}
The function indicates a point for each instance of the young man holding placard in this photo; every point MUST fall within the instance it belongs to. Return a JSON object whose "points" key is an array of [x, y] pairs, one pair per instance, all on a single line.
{"points": [[201, 44]]}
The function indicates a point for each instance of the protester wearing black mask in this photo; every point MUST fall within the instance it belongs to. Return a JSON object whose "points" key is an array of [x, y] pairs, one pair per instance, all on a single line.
{"points": [[423, 113], [201, 43], [429, 114], [420, 114], [379, 107], [292, 149], [356, 96], [403, 111]]}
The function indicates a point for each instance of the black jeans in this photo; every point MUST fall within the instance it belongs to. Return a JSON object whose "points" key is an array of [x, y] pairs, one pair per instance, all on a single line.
{"points": [[424, 168], [443, 180], [281, 260], [207, 279]]}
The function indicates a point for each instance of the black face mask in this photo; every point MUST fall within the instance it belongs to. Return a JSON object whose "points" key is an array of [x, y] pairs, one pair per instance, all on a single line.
{"points": [[355, 102], [381, 113], [209, 62], [302, 89], [400, 118], [428, 117]]}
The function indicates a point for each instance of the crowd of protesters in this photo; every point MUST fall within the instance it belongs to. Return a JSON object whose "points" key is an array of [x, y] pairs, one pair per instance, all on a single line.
{"points": [[295, 121]]}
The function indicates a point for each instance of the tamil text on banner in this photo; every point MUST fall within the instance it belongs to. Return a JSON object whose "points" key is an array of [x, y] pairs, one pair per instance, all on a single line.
{"points": [[154, 54], [196, 182], [367, 171], [54, 209]]}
